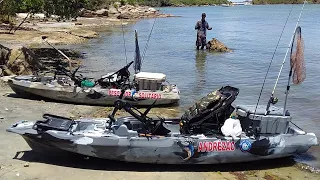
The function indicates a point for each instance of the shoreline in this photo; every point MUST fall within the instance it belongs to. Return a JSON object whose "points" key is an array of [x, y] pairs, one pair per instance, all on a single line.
{"points": [[59, 33], [75, 31]]}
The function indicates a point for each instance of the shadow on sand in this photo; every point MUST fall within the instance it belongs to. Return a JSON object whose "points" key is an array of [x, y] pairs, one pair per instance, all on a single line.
{"points": [[82, 162]]}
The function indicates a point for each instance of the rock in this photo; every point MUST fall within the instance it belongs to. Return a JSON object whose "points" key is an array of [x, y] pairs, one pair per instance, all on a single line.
{"points": [[217, 46], [84, 33], [112, 10], [87, 13], [152, 10], [78, 24], [26, 165], [102, 12], [125, 15]]}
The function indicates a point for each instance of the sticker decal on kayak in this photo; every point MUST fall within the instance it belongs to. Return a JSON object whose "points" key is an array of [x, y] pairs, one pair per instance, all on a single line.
{"points": [[143, 95], [149, 95], [245, 145], [117, 92], [219, 146]]}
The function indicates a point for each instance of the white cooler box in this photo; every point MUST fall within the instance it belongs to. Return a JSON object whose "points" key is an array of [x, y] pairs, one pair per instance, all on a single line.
{"points": [[273, 123], [149, 81]]}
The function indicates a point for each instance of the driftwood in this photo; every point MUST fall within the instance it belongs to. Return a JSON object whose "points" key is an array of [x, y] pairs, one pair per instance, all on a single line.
{"points": [[25, 61], [4, 54]]}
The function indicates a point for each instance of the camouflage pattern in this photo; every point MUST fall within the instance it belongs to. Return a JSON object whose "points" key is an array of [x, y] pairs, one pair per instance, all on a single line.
{"points": [[202, 27], [202, 104], [63, 90], [93, 139]]}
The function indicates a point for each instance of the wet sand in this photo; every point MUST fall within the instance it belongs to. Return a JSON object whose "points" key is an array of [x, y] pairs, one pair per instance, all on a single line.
{"points": [[17, 161]]}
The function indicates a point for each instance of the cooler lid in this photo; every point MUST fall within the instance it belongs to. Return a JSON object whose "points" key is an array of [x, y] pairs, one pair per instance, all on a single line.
{"points": [[261, 109], [150, 76]]}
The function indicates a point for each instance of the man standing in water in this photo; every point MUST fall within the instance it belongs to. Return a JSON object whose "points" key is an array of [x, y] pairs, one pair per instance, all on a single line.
{"points": [[202, 27]]}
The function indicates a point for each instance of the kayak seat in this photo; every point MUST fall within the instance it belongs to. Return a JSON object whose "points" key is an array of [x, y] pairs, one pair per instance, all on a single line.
{"points": [[208, 114], [53, 122], [123, 130]]}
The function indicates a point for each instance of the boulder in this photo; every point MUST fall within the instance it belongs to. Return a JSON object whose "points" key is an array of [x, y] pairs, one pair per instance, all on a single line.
{"points": [[112, 10], [217, 46], [125, 15], [87, 13], [102, 12], [152, 10]]}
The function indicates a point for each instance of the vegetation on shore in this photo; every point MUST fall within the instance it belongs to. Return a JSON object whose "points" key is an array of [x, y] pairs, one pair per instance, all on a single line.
{"points": [[67, 9], [283, 1], [63, 8]]}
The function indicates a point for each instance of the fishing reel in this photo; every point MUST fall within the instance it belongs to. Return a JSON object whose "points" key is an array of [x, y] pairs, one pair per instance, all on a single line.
{"points": [[122, 76], [274, 100]]}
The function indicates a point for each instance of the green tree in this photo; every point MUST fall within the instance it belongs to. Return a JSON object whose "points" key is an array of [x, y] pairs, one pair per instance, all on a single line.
{"points": [[32, 6], [65, 9], [8, 9]]}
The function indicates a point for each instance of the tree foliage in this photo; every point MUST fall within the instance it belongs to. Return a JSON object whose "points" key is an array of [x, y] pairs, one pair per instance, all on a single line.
{"points": [[65, 9], [32, 6], [277, 1], [8, 8]]}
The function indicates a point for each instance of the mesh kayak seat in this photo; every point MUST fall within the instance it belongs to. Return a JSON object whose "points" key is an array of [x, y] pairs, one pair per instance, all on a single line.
{"points": [[208, 114]]}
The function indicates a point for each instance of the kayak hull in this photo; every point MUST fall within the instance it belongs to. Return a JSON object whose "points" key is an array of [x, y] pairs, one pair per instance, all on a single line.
{"points": [[90, 96], [172, 149]]}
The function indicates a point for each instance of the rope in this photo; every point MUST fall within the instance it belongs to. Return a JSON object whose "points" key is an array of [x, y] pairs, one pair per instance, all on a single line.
{"points": [[264, 81], [124, 42]]}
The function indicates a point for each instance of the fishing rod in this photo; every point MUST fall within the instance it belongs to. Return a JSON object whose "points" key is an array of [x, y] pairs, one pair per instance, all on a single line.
{"points": [[138, 58], [272, 99], [124, 41], [274, 52], [147, 44], [69, 60]]}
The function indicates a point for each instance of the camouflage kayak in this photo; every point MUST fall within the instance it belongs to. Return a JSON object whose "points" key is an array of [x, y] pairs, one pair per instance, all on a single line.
{"points": [[64, 90], [185, 140]]}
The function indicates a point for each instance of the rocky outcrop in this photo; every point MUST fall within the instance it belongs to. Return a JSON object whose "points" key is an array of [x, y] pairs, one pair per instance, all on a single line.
{"points": [[217, 46], [124, 12], [138, 12]]}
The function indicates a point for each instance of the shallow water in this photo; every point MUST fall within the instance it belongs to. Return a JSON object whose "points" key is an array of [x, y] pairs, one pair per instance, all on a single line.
{"points": [[251, 31]]}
